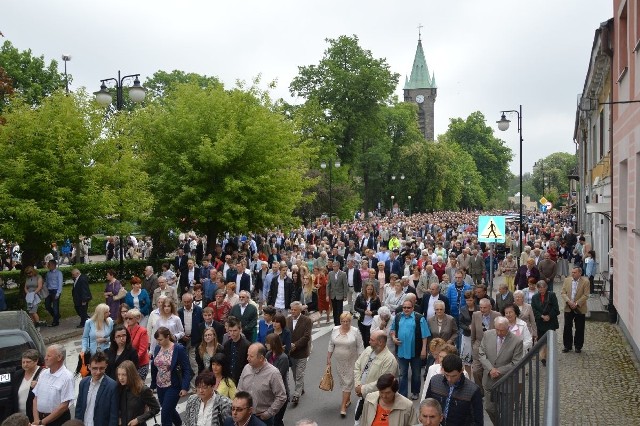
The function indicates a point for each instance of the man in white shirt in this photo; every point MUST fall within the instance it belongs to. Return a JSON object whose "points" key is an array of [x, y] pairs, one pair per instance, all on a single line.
{"points": [[354, 280], [55, 389]]}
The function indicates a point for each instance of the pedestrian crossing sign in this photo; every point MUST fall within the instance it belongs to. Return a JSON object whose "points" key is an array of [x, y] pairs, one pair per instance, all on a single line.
{"points": [[491, 229]]}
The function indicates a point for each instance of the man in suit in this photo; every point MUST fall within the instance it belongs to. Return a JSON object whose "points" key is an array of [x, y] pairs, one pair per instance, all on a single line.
{"points": [[274, 256], [481, 321], [300, 327], [97, 402], [247, 314], [150, 281], [81, 295], [337, 290], [354, 281], [548, 269], [476, 266], [191, 318], [188, 277], [242, 411], [180, 261], [281, 291], [392, 265], [243, 279], [209, 322], [429, 299], [500, 350], [336, 257], [575, 292], [164, 289], [504, 297]]}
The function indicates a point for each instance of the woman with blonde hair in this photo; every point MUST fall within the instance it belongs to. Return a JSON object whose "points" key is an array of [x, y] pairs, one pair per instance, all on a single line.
{"points": [[136, 401], [32, 286], [346, 344], [308, 297], [207, 349], [97, 330], [168, 318]]}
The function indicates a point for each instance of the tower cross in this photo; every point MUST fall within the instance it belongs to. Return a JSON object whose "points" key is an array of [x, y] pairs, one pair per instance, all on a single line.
{"points": [[420, 32]]}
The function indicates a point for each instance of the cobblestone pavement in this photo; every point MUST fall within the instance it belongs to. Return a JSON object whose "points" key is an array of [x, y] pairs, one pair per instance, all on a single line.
{"points": [[601, 385]]}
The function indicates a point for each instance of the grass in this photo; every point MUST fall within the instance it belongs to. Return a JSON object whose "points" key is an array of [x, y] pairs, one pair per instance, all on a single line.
{"points": [[66, 302]]}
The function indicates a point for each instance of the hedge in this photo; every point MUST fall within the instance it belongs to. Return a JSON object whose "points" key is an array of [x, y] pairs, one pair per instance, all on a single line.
{"points": [[96, 272]]}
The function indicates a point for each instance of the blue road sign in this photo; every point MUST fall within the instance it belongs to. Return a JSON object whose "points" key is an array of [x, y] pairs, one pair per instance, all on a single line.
{"points": [[491, 229]]}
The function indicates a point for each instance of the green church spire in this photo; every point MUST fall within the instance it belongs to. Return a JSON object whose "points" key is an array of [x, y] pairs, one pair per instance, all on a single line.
{"points": [[420, 72]]}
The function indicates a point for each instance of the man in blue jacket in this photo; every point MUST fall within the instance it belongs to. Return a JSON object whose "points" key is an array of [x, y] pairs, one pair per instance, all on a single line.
{"points": [[97, 403]]}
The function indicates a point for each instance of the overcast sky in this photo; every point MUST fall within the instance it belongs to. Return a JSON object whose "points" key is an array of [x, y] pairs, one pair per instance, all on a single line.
{"points": [[487, 55]]}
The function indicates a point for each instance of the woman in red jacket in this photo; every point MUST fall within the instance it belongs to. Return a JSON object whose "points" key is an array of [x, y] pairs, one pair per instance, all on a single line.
{"points": [[139, 340]]}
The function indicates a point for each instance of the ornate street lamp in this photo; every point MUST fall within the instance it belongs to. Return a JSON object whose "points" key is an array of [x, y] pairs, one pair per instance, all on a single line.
{"points": [[103, 97], [503, 125]]}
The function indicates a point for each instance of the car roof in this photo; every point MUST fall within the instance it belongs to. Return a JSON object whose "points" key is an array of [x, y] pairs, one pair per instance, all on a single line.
{"points": [[20, 320]]}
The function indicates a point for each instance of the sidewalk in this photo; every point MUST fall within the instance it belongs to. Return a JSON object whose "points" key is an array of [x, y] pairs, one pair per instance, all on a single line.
{"points": [[66, 330]]}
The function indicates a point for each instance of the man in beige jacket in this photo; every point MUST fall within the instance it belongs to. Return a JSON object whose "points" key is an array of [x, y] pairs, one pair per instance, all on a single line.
{"points": [[575, 292], [375, 361]]}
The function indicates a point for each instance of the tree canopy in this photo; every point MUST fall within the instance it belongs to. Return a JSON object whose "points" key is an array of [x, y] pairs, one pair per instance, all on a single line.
{"points": [[58, 178], [24, 74], [220, 160]]}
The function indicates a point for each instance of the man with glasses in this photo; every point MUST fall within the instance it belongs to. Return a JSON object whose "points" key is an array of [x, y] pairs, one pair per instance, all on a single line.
{"points": [[242, 411], [247, 314], [410, 334], [97, 403], [481, 321], [207, 407]]}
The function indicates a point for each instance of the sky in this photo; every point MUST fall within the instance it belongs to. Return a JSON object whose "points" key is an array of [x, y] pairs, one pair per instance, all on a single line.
{"points": [[487, 55]]}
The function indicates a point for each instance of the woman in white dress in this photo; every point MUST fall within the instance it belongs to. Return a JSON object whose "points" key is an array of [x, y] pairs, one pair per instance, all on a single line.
{"points": [[345, 347]]}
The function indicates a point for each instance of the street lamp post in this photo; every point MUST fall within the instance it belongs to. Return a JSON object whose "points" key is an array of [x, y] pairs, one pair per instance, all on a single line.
{"points": [[409, 197], [541, 164], [392, 198], [66, 58], [104, 98], [331, 163], [503, 125]]}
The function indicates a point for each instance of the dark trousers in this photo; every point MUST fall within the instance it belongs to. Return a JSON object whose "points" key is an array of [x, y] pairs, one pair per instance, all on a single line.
{"points": [[365, 332], [81, 310], [337, 306], [568, 338], [66, 415], [168, 398], [415, 363], [52, 305], [278, 418]]}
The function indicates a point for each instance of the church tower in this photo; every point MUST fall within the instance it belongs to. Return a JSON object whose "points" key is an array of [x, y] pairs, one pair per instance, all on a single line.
{"points": [[421, 89]]}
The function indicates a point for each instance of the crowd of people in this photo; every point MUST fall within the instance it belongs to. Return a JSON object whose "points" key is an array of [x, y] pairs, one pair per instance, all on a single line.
{"points": [[228, 326]]}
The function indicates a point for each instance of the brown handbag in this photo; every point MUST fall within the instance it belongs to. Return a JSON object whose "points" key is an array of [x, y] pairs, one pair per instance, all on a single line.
{"points": [[326, 383]]}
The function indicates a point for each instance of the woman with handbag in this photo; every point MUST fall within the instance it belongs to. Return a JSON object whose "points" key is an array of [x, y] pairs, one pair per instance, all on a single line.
{"points": [[170, 375], [346, 344], [138, 298], [136, 401], [96, 334], [32, 287], [120, 350], [114, 292]]}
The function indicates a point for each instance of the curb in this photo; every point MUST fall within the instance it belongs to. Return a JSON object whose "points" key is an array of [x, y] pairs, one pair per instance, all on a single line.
{"points": [[61, 336]]}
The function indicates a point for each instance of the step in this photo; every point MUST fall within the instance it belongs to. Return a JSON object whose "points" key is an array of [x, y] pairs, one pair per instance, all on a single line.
{"points": [[597, 308]]}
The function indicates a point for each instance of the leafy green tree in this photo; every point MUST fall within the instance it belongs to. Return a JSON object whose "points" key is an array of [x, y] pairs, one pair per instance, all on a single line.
{"points": [[220, 160], [556, 167], [30, 76], [57, 178], [348, 89], [490, 154], [161, 83]]}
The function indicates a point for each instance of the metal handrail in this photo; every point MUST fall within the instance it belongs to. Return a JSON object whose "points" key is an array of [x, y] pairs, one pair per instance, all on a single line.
{"points": [[517, 393]]}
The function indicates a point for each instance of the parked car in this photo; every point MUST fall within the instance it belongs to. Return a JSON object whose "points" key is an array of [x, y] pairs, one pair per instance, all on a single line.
{"points": [[17, 334]]}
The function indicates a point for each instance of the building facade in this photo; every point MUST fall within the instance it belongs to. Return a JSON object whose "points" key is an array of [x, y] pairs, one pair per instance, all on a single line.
{"points": [[626, 165], [420, 88], [592, 134]]}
